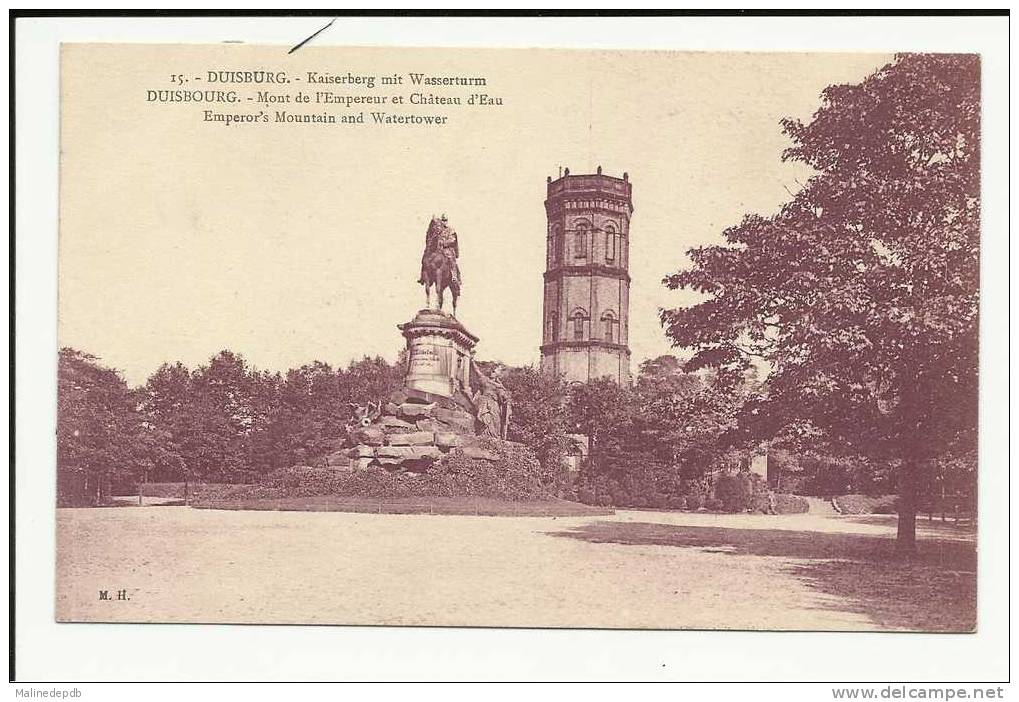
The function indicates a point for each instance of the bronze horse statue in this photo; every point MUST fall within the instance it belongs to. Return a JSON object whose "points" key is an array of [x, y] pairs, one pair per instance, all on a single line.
{"points": [[438, 263]]}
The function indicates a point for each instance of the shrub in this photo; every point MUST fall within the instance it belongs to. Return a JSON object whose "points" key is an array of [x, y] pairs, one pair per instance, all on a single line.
{"points": [[790, 504], [677, 502], [853, 504], [644, 498], [586, 495], [659, 501], [301, 481], [714, 505], [865, 504], [732, 491], [727, 492], [696, 486], [761, 502], [619, 496], [695, 502], [516, 475], [737, 492]]}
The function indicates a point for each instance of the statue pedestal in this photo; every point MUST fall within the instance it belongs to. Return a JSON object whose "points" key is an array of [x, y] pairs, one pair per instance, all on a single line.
{"points": [[439, 351], [447, 405]]}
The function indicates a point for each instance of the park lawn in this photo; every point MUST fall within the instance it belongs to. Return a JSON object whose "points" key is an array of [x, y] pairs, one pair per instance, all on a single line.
{"points": [[479, 506]]}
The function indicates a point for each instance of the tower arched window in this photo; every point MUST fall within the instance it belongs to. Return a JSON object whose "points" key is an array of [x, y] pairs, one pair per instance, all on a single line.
{"points": [[553, 326], [609, 324], [611, 240], [579, 316], [580, 239]]}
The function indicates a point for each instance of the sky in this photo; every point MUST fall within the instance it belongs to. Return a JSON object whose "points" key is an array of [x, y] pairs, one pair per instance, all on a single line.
{"points": [[299, 242]]}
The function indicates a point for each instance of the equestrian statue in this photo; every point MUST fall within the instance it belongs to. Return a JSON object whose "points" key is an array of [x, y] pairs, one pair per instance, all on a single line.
{"points": [[438, 262]]}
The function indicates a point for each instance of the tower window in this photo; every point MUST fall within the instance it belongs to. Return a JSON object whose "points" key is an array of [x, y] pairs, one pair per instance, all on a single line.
{"points": [[553, 326], [610, 243], [609, 322], [580, 241], [579, 316]]}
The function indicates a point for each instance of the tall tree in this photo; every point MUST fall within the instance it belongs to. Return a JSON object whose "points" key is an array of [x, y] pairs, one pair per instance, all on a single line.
{"points": [[206, 418], [101, 437], [605, 411], [861, 294], [688, 419], [265, 403], [309, 415], [223, 393], [170, 408], [369, 380], [539, 418]]}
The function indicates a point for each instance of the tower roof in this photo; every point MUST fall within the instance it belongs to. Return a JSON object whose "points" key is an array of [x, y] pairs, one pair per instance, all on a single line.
{"points": [[590, 184]]}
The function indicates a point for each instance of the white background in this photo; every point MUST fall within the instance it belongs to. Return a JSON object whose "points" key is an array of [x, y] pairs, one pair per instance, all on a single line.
{"points": [[78, 652]]}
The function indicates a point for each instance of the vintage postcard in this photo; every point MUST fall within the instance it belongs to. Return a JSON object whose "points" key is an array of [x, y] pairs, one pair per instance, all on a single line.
{"points": [[518, 337]]}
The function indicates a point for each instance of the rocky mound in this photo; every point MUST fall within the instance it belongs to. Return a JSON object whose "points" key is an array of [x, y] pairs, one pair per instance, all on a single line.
{"points": [[415, 430]]}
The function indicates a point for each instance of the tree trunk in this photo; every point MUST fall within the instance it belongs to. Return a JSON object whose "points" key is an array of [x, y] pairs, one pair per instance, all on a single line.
{"points": [[905, 542]]}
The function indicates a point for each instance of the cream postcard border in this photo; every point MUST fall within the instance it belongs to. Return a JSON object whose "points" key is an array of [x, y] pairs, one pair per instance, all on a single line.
{"points": [[48, 651]]}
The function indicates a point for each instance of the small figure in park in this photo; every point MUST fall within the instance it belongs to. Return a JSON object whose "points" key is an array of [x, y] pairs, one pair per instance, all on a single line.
{"points": [[439, 262], [493, 402]]}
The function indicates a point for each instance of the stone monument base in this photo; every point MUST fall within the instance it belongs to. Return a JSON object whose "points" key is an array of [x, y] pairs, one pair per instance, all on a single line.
{"points": [[439, 353], [434, 413], [415, 430]]}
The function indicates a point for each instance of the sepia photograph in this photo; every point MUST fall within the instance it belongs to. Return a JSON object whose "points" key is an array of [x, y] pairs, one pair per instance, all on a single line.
{"points": [[341, 343], [512, 348]]}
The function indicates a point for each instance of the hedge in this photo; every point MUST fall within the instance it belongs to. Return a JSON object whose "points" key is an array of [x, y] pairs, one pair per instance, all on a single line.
{"points": [[790, 504], [515, 475], [865, 504]]}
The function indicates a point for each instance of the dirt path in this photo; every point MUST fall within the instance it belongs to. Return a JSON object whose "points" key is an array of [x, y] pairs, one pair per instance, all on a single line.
{"points": [[634, 569]]}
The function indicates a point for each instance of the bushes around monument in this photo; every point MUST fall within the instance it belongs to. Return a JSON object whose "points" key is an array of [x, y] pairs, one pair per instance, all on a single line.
{"points": [[515, 475]]}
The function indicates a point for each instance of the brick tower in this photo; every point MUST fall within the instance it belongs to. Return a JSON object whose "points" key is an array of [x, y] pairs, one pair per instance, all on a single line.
{"points": [[587, 281]]}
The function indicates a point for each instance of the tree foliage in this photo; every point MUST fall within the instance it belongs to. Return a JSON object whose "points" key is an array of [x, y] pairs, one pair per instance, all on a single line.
{"points": [[539, 418], [861, 294], [689, 419], [221, 422], [101, 437]]}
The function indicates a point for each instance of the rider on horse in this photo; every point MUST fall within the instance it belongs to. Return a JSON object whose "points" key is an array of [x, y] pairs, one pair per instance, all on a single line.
{"points": [[440, 237]]}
